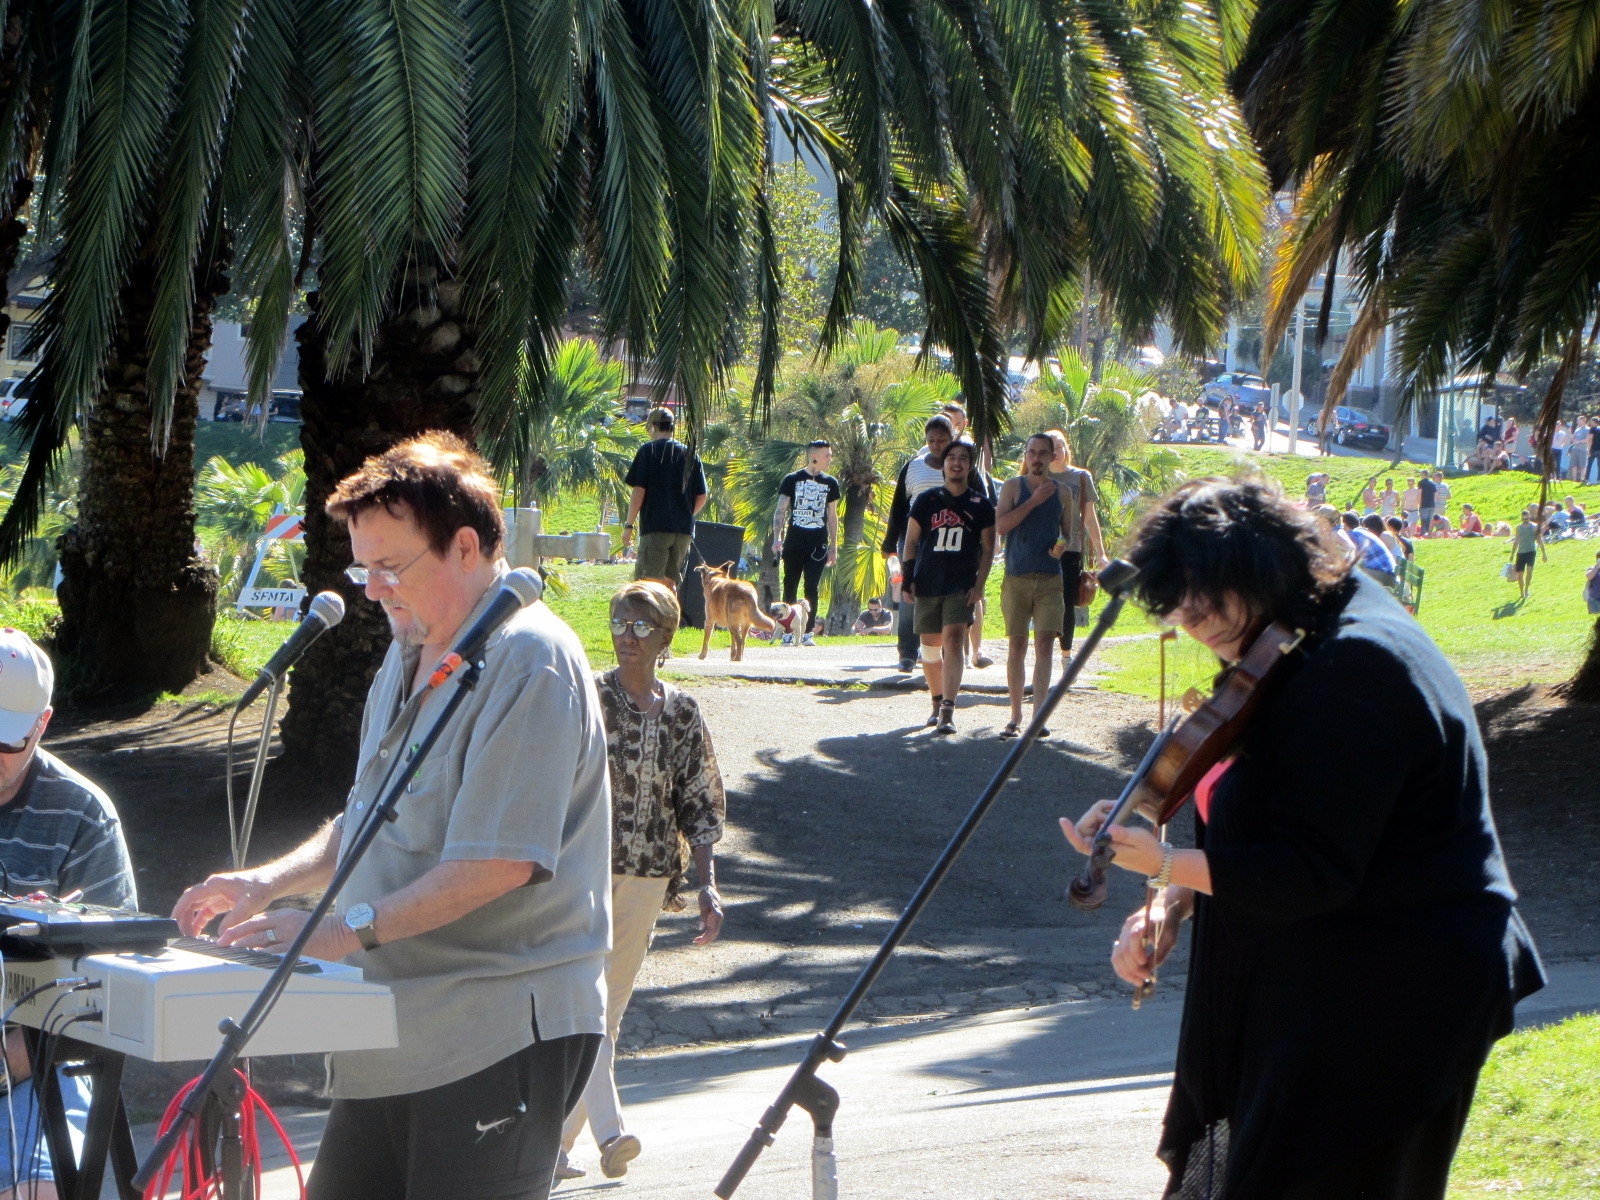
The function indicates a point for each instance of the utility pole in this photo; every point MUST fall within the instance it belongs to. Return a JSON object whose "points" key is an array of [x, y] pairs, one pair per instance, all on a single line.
{"points": [[1299, 365]]}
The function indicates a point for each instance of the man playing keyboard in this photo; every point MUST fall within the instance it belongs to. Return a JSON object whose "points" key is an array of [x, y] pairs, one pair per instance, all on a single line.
{"points": [[485, 905], [59, 835]]}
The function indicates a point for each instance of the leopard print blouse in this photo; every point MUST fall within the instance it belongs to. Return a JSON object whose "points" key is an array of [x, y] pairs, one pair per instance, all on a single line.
{"points": [[666, 790]]}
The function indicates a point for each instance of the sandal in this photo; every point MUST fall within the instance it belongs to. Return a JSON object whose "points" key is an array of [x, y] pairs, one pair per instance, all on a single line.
{"points": [[947, 712], [1012, 729]]}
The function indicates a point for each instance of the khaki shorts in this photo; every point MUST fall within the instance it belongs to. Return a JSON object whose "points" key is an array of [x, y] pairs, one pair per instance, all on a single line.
{"points": [[935, 612], [661, 556], [1035, 600]]}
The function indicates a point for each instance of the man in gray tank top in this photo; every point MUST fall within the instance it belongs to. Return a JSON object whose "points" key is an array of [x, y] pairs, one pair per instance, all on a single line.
{"points": [[1035, 517]]}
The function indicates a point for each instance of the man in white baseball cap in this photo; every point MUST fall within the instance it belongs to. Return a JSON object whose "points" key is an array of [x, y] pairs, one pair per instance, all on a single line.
{"points": [[59, 834]]}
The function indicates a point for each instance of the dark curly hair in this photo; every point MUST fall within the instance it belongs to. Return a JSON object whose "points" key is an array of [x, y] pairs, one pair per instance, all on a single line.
{"points": [[1214, 537]]}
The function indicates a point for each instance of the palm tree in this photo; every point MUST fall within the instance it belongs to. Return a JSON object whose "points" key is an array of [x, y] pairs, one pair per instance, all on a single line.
{"points": [[1463, 199], [573, 438], [131, 98], [234, 504], [442, 164]]}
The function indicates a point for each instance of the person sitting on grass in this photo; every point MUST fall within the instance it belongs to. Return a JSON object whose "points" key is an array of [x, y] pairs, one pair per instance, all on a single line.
{"points": [[875, 618], [1471, 522], [1372, 555]]}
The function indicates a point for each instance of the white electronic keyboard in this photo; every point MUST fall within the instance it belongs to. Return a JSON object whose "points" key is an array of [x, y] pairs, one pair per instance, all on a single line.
{"points": [[164, 1005]]}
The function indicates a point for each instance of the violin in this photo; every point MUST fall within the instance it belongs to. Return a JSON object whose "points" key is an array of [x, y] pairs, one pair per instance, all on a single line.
{"points": [[1186, 749]]}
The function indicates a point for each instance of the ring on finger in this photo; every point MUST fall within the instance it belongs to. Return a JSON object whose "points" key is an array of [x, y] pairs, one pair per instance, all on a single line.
{"points": [[272, 937]]}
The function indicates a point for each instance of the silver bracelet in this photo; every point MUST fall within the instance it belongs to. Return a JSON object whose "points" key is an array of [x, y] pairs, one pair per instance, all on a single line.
{"points": [[1163, 877]]}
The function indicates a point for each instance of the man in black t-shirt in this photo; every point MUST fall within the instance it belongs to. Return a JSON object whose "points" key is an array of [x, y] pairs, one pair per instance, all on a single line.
{"points": [[805, 529], [669, 490], [981, 481], [949, 550], [1429, 492]]}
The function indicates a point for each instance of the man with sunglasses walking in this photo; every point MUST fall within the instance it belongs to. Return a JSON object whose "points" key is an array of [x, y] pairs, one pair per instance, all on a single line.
{"points": [[486, 903], [59, 835]]}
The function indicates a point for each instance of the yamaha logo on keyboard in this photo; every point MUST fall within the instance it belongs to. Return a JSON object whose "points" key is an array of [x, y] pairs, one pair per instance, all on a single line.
{"points": [[18, 986]]}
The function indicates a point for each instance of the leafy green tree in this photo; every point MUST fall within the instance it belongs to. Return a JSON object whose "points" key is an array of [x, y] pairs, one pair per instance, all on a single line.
{"points": [[441, 163], [1443, 155]]}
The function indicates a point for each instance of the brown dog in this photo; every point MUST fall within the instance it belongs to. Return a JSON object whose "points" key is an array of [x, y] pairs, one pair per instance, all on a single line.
{"points": [[731, 603]]}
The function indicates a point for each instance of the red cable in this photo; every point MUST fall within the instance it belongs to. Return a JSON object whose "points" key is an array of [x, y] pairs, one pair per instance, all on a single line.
{"points": [[196, 1183]]}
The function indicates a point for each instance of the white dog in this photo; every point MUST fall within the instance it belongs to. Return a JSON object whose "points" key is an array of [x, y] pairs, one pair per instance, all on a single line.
{"points": [[794, 621]]}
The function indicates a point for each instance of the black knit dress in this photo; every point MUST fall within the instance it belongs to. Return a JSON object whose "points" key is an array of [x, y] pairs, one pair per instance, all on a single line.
{"points": [[1360, 952]]}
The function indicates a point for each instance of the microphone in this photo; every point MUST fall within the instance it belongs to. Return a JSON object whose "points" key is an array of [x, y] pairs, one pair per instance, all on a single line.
{"points": [[326, 611], [518, 589], [1118, 576]]}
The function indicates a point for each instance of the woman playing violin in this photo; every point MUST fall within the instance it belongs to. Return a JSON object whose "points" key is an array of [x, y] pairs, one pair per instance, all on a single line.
{"points": [[1356, 951]]}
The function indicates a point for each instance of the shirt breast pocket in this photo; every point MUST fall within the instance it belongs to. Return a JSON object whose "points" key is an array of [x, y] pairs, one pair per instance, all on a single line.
{"points": [[422, 814]]}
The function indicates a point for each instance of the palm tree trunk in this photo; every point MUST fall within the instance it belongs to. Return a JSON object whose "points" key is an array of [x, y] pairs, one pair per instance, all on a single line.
{"points": [[137, 602], [1585, 685], [424, 375]]}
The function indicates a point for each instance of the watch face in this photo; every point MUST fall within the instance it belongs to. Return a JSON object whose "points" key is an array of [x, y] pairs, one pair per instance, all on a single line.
{"points": [[359, 916]]}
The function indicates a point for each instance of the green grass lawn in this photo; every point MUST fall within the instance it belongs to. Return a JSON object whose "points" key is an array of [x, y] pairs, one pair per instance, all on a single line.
{"points": [[1495, 497], [1535, 1126], [1468, 609], [1466, 606]]}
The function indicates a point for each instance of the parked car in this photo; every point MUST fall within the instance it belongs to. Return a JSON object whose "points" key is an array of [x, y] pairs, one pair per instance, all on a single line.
{"points": [[1354, 428], [13, 398], [1243, 388]]}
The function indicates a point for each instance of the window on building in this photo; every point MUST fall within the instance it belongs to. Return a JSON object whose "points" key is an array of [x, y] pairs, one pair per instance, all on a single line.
{"points": [[17, 338]]}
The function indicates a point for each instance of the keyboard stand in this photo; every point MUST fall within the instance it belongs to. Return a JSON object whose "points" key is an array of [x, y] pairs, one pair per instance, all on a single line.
{"points": [[107, 1135]]}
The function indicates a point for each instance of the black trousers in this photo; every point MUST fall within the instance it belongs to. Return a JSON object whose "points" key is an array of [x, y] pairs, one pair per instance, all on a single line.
{"points": [[1071, 568], [805, 554], [494, 1135]]}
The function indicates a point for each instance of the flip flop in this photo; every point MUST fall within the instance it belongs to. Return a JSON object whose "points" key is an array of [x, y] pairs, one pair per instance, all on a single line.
{"points": [[1011, 730]]}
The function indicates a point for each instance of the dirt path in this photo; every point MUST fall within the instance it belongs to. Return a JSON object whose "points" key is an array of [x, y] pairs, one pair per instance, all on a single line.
{"points": [[839, 804]]}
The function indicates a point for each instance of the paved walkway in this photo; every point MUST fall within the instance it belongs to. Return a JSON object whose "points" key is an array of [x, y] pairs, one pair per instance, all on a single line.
{"points": [[864, 661], [1060, 1102]]}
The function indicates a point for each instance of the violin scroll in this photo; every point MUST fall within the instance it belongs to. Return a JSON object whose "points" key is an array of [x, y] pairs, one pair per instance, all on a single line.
{"points": [[1090, 890]]}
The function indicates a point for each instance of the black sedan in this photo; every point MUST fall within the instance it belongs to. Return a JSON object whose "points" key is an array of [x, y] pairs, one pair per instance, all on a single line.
{"points": [[1353, 428]]}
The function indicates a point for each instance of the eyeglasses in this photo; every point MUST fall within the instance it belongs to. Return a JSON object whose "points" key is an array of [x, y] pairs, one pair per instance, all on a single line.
{"points": [[19, 747], [641, 629], [361, 576]]}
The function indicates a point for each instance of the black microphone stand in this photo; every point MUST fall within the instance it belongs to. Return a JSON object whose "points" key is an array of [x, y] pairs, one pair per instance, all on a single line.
{"points": [[804, 1088], [236, 1035]]}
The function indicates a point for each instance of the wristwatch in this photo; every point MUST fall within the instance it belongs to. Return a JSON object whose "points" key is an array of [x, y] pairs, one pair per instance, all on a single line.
{"points": [[359, 917]]}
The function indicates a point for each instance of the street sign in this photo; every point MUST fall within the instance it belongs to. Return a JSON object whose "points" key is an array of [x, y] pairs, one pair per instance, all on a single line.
{"points": [[260, 597]]}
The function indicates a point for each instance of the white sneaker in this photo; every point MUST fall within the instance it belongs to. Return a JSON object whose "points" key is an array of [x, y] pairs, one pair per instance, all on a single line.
{"points": [[788, 639], [808, 640], [617, 1153]]}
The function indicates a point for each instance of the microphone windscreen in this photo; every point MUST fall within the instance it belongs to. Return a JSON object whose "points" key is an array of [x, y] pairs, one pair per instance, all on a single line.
{"points": [[1118, 575], [526, 583], [329, 606]]}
